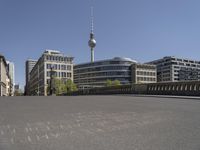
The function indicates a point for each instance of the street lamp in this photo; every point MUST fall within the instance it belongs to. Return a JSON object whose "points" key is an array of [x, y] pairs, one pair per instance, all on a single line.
{"points": [[52, 87]]}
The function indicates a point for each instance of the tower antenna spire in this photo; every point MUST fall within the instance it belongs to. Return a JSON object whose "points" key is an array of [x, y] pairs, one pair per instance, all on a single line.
{"points": [[92, 42], [92, 19]]}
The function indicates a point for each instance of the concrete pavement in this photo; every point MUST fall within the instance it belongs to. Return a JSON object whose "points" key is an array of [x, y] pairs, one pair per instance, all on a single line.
{"points": [[99, 123]]}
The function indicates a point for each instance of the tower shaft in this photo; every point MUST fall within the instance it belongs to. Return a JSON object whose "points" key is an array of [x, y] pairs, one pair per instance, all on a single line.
{"points": [[92, 54]]}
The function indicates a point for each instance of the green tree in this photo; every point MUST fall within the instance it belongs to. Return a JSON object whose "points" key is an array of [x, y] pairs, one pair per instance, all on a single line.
{"points": [[116, 83], [59, 86], [70, 86], [62, 86], [108, 83], [18, 92]]}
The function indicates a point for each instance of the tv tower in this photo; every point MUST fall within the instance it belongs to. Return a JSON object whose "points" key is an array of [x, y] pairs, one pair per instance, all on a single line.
{"points": [[92, 42]]}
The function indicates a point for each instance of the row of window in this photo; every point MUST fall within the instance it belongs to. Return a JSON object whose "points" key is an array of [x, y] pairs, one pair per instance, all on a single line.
{"points": [[146, 73], [59, 74], [58, 58], [102, 69], [145, 79], [99, 74], [101, 80], [102, 63], [59, 67]]}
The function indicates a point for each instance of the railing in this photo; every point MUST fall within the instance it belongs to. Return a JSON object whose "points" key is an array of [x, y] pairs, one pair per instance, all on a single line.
{"points": [[187, 88]]}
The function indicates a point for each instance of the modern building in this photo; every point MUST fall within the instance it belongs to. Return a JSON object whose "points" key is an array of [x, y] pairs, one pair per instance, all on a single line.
{"points": [[3, 76], [30, 63], [95, 74], [41, 72], [143, 73], [172, 69], [11, 72]]}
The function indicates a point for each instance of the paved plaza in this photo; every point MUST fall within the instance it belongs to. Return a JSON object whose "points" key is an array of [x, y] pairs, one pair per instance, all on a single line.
{"points": [[99, 123]]}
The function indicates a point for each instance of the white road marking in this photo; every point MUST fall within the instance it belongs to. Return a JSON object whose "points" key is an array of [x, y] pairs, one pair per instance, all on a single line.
{"points": [[12, 140], [48, 128], [14, 131], [54, 135], [61, 126], [29, 139], [2, 133], [46, 136], [38, 138], [30, 129], [71, 132], [26, 130], [100, 130]]}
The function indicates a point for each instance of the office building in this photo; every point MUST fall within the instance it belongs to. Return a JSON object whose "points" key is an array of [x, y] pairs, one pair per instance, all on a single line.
{"points": [[30, 63], [172, 69], [41, 72], [95, 74], [11, 72], [3, 77], [143, 73]]}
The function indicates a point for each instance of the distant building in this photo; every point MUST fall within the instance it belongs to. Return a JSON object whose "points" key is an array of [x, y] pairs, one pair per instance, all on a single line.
{"points": [[30, 63], [172, 69], [95, 74], [143, 73], [41, 72], [11, 72], [16, 87], [3, 76]]}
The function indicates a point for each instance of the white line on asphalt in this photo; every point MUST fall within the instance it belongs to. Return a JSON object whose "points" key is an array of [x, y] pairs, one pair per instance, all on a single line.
{"points": [[61, 126], [54, 135], [12, 140], [26, 130], [38, 138], [14, 131], [29, 139], [48, 128]]}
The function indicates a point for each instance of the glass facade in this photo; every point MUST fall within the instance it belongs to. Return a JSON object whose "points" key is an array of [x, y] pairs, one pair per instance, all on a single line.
{"points": [[90, 75]]}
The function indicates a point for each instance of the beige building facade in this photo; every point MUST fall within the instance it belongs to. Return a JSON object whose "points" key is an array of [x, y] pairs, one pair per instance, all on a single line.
{"points": [[3, 77], [41, 73], [143, 73]]}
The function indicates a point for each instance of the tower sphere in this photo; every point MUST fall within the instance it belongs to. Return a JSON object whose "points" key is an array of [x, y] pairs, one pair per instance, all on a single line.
{"points": [[92, 43]]}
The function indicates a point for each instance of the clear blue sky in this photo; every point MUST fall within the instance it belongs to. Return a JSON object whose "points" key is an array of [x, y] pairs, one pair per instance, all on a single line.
{"points": [[143, 30]]}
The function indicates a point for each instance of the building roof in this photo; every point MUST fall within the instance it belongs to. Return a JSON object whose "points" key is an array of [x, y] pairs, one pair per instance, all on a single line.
{"points": [[4, 60], [113, 59]]}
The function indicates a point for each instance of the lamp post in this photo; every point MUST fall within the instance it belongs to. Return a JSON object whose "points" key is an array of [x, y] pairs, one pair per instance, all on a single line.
{"points": [[52, 88]]}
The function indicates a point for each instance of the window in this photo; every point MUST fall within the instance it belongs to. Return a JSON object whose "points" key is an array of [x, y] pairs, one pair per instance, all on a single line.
{"points": [[63, 67], [48, 73], [63, 74], [69, 75], [69, 67]]}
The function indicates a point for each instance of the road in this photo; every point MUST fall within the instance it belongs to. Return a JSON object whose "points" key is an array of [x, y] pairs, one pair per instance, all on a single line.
{"points": [[99, 123]]}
